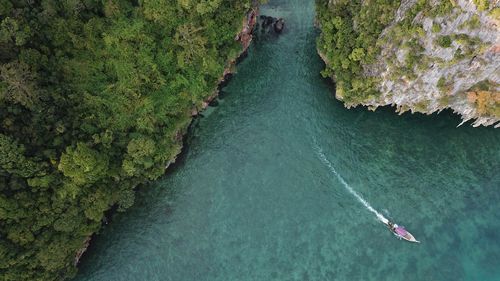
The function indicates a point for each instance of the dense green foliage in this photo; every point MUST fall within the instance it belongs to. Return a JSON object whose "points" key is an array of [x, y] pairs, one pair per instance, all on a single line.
{"points": [[353, 33], [444, 41], [351, 37], [350, 30], [482, 4], [94, 97]]}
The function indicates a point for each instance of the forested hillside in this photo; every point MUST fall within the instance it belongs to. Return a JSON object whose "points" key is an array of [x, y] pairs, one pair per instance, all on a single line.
{"points": [[94, 98], [418, 55]]}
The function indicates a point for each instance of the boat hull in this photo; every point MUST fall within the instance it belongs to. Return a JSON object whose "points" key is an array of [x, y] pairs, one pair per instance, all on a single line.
{"points": [[408, 237]]}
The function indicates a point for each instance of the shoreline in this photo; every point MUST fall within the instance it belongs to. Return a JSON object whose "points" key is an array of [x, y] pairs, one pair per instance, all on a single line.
{"points": [[465, 117], [245, 37]]}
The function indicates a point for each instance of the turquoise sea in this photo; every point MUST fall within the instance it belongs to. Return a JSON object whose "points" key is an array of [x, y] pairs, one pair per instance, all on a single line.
{"points": [[254, 198]]}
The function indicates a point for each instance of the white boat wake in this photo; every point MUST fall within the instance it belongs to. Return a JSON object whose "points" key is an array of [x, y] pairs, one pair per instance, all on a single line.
{"points": [[323, 158]]}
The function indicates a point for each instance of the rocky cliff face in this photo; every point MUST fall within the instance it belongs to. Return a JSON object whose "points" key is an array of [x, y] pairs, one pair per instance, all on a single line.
{"points": [[429, 56]]}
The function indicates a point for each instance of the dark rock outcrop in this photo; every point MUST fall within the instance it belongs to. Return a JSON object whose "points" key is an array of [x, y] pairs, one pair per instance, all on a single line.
{"points": [[279, 25], [266, 22]]}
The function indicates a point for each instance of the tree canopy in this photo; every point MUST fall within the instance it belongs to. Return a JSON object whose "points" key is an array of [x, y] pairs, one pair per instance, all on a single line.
{"points": [[94, 95], [349, 33]]}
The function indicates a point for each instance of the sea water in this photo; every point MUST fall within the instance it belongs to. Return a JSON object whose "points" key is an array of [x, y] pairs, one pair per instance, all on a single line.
{"points": [[365, 203], [251, 199]]}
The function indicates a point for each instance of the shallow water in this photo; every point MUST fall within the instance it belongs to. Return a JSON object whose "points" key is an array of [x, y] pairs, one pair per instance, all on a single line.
{"points": [[252, 200]]}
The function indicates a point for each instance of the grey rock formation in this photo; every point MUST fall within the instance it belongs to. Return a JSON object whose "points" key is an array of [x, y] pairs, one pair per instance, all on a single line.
{"points": [[422, 91]]}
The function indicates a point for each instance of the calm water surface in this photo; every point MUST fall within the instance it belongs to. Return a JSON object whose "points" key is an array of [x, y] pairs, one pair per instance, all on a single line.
{"points": [[253, 201]]}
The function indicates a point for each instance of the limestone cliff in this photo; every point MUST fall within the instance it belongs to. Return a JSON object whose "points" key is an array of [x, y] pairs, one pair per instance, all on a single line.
{"points": [[417, 55]]}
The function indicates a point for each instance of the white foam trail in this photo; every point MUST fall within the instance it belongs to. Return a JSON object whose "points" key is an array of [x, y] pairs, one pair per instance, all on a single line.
{"points": [[348, 187]]}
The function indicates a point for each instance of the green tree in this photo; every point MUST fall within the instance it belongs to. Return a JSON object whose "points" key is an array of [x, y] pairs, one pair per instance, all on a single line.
{"points": [[83, 165], [94, 98]]}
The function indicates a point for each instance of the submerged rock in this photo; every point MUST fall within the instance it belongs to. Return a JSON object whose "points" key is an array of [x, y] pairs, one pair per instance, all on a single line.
{"points": [[222, 94], [267, 21], [279, 25], [213, 103]]}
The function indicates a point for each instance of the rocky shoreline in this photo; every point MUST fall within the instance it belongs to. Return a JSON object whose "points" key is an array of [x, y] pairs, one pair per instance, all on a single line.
{"points": [[460, 75], [245, 38]]}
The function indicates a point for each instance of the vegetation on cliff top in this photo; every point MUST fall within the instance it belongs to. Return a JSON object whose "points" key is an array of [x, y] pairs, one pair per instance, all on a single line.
{"points": [[94, 96], [361, 41], [351, 38], [350, 30], [485, 97]]}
